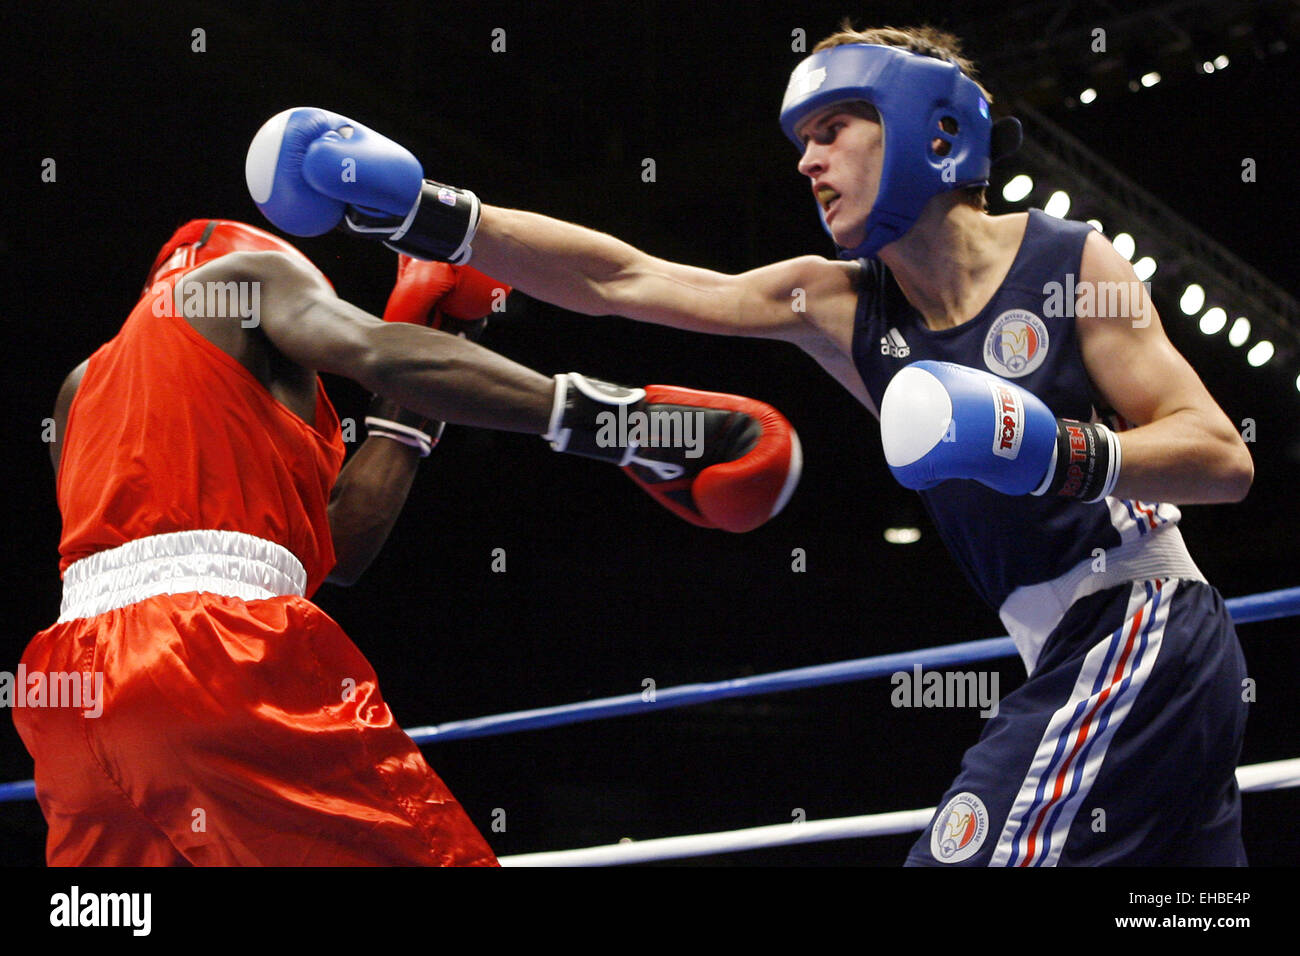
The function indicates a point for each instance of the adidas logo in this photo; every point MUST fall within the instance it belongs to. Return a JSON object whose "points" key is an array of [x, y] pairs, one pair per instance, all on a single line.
{"points": [[894, 345]]}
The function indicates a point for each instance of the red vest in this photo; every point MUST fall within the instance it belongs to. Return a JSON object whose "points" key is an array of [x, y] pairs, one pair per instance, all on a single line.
{"points": [[169, 433]]}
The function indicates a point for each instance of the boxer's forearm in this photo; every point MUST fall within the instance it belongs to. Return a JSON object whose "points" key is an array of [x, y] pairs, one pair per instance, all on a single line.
{"points": [[439, 376], [365, 503], [586, 271], [1183, 459], [558, 262], [450, 379]]}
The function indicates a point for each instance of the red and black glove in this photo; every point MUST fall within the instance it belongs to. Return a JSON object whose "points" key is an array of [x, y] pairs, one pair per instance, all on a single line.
{"points": [[452, 299], [715, 460]]}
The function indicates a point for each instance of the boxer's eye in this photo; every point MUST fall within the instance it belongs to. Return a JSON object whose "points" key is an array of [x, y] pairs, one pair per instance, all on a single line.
{"points": [[827, 134]]}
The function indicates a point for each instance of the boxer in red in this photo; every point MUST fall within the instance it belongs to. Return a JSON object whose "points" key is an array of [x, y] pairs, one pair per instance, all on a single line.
{"points": [[198, 475]]}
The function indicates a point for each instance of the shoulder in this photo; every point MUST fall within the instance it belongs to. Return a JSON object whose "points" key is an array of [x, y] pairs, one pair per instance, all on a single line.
{"points": [[1101, 260], [266, 266], [833, 289], [68, 391], [1108, 289], [62, 406], [70, 384]]}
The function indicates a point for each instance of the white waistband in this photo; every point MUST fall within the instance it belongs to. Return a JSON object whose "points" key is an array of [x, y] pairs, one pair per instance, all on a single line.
{"points": [[1031, 612], [229, 563]]}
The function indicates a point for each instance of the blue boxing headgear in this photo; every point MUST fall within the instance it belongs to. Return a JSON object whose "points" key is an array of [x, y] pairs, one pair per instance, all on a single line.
{"points": [[920, 99]]}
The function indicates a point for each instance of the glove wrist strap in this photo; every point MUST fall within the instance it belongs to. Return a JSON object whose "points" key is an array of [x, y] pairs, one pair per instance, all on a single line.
{"points": [[440, 226], [584, 418], [1085, 463], [387, 419]]}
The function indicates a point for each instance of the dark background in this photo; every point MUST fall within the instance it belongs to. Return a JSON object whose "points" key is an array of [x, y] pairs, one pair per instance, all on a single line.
{"points": [[603, 588]]}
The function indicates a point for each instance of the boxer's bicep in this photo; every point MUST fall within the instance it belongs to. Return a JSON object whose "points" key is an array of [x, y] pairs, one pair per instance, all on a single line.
{"points": [[297, 311], [1184, 449], [1125, 350], [773, 301]]}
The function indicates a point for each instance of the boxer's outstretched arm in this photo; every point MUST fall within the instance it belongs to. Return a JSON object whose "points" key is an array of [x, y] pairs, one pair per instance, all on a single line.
{"points": [[293, 173], [736, 473], [590, 272], [438, 375]]}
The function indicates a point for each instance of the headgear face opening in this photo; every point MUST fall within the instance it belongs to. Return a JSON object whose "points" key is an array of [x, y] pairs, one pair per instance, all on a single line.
{"points": [[202, 240], [920, 99]]}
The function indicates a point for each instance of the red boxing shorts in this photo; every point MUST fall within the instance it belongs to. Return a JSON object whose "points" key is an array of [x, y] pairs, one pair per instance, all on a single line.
{"points": [[229, 732]]}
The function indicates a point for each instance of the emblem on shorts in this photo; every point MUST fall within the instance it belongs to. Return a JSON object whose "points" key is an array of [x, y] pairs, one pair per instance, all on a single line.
{"points": [[959, 829], [1016, 344]]}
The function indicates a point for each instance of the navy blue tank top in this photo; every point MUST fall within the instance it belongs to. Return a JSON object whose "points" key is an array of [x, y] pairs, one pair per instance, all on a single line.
{"points": [[1026, 334]]}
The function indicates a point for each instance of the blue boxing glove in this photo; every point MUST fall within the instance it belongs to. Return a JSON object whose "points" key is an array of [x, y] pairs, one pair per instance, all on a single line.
{"points": [[940, 421], [310, 170]]}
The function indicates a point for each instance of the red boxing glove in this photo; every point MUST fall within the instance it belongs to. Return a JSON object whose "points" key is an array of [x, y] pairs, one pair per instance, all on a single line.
{"points": [[715, 460], [452, 299], [449, 298], [420, 287], [751, 463], [474, 296]]}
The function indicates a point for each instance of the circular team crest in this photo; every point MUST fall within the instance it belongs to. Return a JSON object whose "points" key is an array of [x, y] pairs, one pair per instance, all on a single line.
{"points": [[1016, 344], [959, 829]]}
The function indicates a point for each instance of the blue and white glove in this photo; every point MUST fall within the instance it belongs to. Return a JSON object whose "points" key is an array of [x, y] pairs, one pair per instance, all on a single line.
{"points": [[310, 170], [940, 421]]}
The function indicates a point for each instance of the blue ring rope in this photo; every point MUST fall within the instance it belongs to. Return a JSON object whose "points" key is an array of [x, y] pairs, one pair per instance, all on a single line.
{"points": [[1244, 610]]}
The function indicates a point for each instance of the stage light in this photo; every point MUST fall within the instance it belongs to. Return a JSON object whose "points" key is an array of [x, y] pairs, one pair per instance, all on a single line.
{"points": [[1213, 321], [1017, 188], [1239, 333], [1193, 299], [1260, 353], [1058, 204], [902, 535]]}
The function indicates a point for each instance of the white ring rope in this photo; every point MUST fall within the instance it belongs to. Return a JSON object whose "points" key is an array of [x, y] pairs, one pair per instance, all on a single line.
{"points": [[1254, 778]]}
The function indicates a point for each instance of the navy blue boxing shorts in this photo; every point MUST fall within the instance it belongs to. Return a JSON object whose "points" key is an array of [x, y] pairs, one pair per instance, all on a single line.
{"points": [[1120, 749]]}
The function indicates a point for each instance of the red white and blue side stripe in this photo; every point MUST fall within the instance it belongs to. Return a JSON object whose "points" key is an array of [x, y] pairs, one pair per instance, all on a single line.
{"points": [[1073, 747], [1144, 516]]}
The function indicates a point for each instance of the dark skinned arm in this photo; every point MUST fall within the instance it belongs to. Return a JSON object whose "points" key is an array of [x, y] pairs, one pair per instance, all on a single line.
{"points": [[438, 375], [365, 503]]}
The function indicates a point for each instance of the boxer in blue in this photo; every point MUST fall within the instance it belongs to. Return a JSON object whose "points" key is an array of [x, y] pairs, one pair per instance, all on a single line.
{"points": [[1050, 435]]}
